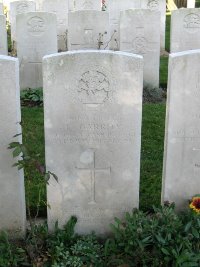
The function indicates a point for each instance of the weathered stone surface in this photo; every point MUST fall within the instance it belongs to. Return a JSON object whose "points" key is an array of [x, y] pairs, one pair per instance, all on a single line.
{"points": [[38, 5], [71, 5], [60, 8], [19, 7], [36, 37], [140, 34], [114, 8], [86, 5], [93, 134], [158, 5], [190, 3], [182, 139], [185, 29], [3, 36], [1, 8], [12, 196], [88, 29]]}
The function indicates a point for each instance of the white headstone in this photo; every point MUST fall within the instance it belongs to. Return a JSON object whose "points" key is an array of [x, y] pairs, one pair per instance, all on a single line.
{"points": [[12, 196], [36, 37], [3, 36], [114, 8], [38, 5], [71, 5], [92, 135], [190, 3], [60, 8], [88, 29], [19, 7], [158, 5], [1, 8], [182, 138], [185, 29], [140, 34], [86, 5]]}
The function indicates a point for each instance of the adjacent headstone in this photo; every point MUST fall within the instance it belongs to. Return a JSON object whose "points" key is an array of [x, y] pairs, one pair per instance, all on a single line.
{"points": [[60, 8], [71, 5], [185, 29], [182, 139], [87, 5], [19, 7], [158, 5], [114, 8], [36, 37], [190, 3], [93, 134], [1, 8], [140, 34], [88, 29], [38, 5], [12, 196], [3, 36]]}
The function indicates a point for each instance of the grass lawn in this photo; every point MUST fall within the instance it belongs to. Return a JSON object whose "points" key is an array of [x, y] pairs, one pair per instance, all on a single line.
{"points": [[163, 71], [151, 156], [33, 138], [167, 34]]}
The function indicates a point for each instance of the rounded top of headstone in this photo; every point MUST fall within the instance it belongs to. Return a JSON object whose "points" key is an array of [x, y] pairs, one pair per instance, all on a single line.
{"points": [[8, 58], [100, 52], [184, 53]]}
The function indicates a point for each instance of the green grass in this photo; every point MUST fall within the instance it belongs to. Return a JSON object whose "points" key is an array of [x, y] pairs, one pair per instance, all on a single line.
{"points": [[163, 71], [167, 34], [151, 153], [33, 139]]}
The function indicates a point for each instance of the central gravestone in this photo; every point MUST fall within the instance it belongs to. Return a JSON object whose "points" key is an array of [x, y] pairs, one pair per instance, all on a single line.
{"points": [[93, 135]]}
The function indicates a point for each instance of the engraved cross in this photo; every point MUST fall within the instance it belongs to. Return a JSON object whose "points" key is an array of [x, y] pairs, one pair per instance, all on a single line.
{"points": [[93, 170]]}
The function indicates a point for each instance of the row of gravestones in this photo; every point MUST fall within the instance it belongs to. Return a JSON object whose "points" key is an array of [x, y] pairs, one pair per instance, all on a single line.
{"points": [[35, 33], [93, 113], [139, 34], [63, 7]]}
